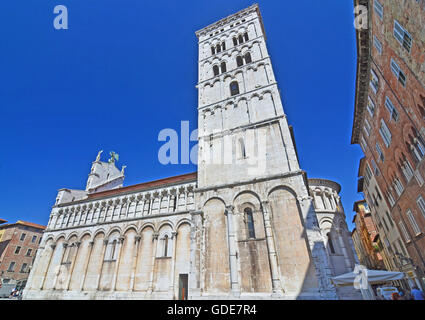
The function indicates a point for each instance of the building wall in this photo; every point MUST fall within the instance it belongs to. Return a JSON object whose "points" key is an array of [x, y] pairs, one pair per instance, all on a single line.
{"points": [[247, 160], [11, 239], [364, 235], [334, 231], [115, 247], [406, 126]]}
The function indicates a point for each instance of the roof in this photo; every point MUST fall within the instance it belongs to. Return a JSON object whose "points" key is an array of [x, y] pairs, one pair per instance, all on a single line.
{"points": [[357, 203], [188, 177], [230, 18], [325, 182], [2, 221], [24, 223]]}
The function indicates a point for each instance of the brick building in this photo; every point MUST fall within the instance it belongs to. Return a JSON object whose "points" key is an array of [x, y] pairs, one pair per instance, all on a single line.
{"points": [[364, 237], [18, 246], [389, 124]]}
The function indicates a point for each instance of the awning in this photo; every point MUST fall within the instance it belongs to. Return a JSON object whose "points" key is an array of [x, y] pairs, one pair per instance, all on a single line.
{"points": [[372, 276]]}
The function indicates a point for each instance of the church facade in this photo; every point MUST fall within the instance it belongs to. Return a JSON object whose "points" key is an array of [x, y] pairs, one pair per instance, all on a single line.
{"points": [[243, 226]]}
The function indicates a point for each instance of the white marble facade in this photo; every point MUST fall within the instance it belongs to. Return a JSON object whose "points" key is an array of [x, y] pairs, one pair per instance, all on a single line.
{"points": [[242, 226]]}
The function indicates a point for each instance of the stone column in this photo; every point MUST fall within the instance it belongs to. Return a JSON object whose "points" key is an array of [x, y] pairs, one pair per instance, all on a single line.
{"points": [[128, 208], [77, 244], [173, 264], [150, 205], [344, 251], [105, 244], [356, 258], [289, 147], [319, 255], [117, 264], [34, 266], [274, 269], [168, 205], [64, 246], [91, 243], [195, 254], [134, 267], [231, 237], [155, 244], [52, 246]]}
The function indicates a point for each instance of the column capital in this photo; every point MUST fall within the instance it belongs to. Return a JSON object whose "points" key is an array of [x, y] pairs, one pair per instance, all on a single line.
{"points": [[229, 209], [173, 234], [78, 243], [137, 238], [121, 239], [53, 245], [155, 236], [304, 198], [105, 241], [65, 244], [91, 243]]}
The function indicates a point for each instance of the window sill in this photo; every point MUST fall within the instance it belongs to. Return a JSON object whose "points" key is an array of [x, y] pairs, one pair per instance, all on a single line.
{"points": [[163, 257], [110, 260], [252, 239]]}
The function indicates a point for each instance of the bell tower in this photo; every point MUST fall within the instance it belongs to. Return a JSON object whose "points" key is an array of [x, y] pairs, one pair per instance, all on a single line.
{"points": [[255, 232], [243, 132]]}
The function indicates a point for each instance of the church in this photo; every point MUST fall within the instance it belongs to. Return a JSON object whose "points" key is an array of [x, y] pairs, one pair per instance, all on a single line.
{"points": [[247, 225]]}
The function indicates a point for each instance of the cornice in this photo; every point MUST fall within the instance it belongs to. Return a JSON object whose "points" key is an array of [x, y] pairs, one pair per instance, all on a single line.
{"points": [[235, 16], [362, 76], [324, 183]]}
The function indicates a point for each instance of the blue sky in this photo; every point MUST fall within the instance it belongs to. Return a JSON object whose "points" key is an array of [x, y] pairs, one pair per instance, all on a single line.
{"points": [[101, 84]]}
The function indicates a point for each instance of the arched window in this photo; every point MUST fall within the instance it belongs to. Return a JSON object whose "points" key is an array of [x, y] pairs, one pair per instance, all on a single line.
{"points": [[216, 70], [223, 46], [242, 148], [249, 218], [246, 36], [235, 41], [218, 48], [248, 57], [240, 39], [165, 245], [239, 61], [330, 243], [223, 67], [212, 50], [234, 88], [419, 147]]}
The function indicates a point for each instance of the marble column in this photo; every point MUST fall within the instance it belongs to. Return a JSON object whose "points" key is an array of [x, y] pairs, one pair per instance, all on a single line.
{"points": [[87, 262], [173, 265], [52, 246], [105, 244], [276, 284], [117, 263], [155, 244], [231, 237], [135, 257], [71, 269]]}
